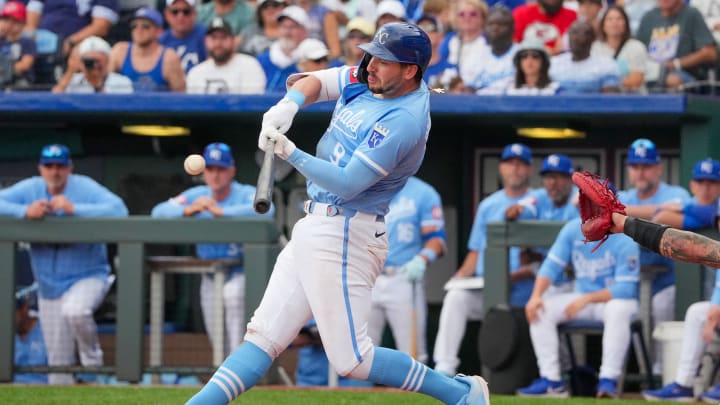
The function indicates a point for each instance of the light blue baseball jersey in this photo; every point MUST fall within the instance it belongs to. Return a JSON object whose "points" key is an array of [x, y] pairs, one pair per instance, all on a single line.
{"points": [[416, 206], [238, 204], [586, 76], [665, 193], [538, 205], [385, 136], [56, 267], [492, 208], [31, 352], [614, 265]]}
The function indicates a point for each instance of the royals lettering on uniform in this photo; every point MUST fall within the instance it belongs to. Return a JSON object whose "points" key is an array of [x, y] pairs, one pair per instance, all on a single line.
{"points": [[350, 121], [594, 268]]}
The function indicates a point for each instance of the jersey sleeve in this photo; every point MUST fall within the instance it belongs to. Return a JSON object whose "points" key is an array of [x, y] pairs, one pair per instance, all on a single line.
{"points": [[560, 253], [107, 9], [698, 216], [431, 213], [102, 202], [15, 199], [332, 80], [174, 207]]}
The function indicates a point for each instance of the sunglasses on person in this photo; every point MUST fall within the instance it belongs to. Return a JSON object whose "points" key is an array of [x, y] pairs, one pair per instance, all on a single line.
{"points": [[144, 25], [90, 63], [429, 27], [184, 11], [469, 13], [272, 4], [357, 35], [531, 54]]}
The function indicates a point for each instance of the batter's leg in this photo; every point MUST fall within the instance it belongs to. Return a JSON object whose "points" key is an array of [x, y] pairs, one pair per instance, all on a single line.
{"points": [[378, 309]]}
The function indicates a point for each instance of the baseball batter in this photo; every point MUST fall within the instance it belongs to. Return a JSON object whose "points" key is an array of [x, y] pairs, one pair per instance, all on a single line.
{"points": [[221, 196], [374, 143], [416, 230], [701, 323], [606, 289]]}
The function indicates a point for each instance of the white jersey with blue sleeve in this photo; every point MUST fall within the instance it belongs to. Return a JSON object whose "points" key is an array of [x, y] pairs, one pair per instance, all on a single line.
{"points": [[590, 75], [386, 136], [538, 205], [614, 265], [666, 193], [239, 203], [417, 205], [492, 208]]}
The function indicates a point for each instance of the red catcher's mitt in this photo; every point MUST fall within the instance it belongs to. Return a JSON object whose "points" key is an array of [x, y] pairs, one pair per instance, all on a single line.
{"points": [[597, 203]]}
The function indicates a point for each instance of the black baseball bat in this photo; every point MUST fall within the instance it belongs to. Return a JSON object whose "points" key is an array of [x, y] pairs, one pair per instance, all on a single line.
{"points": [[266, 180]]}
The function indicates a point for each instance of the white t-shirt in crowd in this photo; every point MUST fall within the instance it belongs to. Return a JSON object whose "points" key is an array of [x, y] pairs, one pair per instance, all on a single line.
{"points": [[242, 74]]}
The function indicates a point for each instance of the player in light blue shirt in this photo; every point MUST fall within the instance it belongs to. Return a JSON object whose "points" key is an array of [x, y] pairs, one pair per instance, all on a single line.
{"points": [[463, 304], [221, 196], [29, 343], [73, 278], [374, 143], [606, 289]]}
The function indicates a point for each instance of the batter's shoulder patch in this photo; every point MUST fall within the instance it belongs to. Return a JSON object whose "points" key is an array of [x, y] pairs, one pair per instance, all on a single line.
{"points": [[379, 133]]}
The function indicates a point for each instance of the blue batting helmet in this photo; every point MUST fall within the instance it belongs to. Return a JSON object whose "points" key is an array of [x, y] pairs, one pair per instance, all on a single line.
{"points": [[397, 42]]}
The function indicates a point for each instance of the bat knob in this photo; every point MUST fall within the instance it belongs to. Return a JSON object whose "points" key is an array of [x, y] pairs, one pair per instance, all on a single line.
{"points": [[262, 207]]}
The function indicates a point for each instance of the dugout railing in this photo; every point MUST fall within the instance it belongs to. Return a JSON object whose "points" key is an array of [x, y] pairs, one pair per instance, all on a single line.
{"points": [[259, 238]]}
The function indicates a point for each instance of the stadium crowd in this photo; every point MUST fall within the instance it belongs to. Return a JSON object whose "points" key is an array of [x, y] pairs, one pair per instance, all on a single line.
{"points": [[252, 46]]}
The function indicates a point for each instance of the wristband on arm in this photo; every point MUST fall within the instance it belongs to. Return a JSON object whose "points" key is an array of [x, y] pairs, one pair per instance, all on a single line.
{"points": [[296, 96], [429, 254], [647, 234]]}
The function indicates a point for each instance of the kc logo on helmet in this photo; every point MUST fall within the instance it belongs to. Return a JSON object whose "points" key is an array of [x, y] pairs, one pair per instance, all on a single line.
{"points": [[382, 37]]}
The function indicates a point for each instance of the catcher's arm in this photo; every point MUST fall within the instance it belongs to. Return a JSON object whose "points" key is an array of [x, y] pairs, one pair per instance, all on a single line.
{"points": [[670, 242]]}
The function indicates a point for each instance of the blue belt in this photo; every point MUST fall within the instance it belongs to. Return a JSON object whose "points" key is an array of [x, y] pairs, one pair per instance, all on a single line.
{"points": [[329, 210]]}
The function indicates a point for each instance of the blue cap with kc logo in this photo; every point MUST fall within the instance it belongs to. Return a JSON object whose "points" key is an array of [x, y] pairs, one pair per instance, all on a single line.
{"points": [[218, 154], [557, 163], [643, 152], [55, 153], [517, 151], [707, 169]]}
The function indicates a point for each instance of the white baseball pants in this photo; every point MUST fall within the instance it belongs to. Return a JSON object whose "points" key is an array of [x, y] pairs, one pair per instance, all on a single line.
{"points": [[68, 321], [234, 307], [616, 315], [392, 303], [458, 307], [663, 310], [693, 344]]}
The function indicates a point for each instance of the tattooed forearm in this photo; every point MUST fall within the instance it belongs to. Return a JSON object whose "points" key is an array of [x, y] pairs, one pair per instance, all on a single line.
{"points": [[690, 247]]}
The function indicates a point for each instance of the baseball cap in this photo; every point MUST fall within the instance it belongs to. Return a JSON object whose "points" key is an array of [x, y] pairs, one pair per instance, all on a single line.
{"points": [[14, 10], [707, 169], [557, 163], [517, 150], [190, 3], [296, 14], [392, 7], [642, 152], [93, 44], [362, 25], [55, 153], [312, 49], [218, 154], [149, 14], [218, 24], [432, 24]]}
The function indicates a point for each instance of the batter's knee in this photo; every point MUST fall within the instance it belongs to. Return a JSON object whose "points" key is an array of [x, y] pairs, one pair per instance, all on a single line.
{"points": [[359, 371], [272, 349]]}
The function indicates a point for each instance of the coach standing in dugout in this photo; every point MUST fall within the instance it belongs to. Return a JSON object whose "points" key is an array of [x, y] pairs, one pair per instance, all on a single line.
{"points": [[73, 278], [374, 143]]}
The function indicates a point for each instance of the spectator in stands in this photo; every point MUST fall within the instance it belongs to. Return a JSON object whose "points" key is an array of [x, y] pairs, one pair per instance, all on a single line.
{"points": [[72, 278], [225, 72], [578, 71], [496, 59], [323, 25], [238, 13], [148, 64], [279, 61], [463, 304], [649, 192], [389, 11], [439, 9], [702, 211], [29, 344], [17, 52], [615, 42], [635, 10], [532, 71], [546, 20], [186, 36], [313, 55], [256, 38], [468, 43], [72, 20], [605, 289], [347, 10], [678, 39], [359, 31], [439, 70], [711, 14], [590, 11], [92, 60], [700, 329], [221, 196]]}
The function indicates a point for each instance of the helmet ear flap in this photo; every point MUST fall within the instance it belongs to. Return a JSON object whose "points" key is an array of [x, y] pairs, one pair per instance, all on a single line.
{"points": [[362, 74]]}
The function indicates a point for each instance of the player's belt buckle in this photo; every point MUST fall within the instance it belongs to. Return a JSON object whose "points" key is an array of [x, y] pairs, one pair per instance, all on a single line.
{"points": [[390, 270]]}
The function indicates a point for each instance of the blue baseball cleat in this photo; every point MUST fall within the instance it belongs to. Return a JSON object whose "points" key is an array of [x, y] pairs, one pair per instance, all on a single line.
{"points": [[712, 395], [478, 394], [542, 387], [607, 388], [671, 392]]}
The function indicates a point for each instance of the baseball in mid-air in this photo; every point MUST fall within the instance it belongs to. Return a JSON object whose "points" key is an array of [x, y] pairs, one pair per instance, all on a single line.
{"points": [[194, 164]]}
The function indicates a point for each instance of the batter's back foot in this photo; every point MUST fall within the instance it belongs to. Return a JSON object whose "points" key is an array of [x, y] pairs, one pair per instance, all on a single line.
{"points": [[478, 393]]}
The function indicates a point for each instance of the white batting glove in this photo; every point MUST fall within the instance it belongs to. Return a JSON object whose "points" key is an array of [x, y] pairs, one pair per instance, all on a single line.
{"points": [[415, 269], [280, 116], [283, 146]]}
